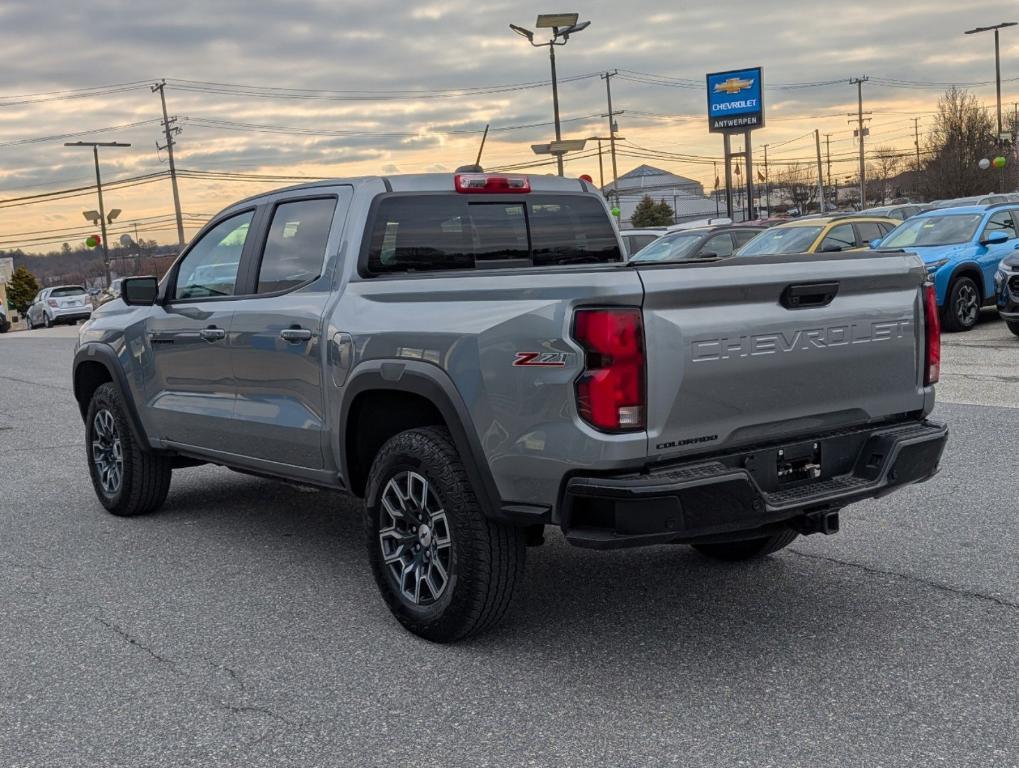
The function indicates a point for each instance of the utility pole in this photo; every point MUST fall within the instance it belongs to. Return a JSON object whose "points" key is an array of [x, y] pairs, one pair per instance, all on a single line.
{"points": [[171, 130], [820, 177], [99, 190], [827, 157], [858, 82], [601, 168], [607, 77], [916, 143], [767, 185]]}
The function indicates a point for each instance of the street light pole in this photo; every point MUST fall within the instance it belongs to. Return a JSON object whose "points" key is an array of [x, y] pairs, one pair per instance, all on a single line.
{"points": [[562, 25], [997, 60], [99, 190]]}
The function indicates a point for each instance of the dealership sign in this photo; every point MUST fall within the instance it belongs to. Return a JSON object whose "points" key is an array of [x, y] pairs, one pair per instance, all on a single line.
{"points": [[735, 101]]}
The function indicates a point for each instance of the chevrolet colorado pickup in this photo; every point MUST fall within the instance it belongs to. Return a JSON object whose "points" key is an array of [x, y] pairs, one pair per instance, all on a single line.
{"points": [[472, 355]]}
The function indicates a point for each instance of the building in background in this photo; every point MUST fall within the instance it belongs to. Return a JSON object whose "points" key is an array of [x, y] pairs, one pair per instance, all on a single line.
{"points": [[685, 196]]}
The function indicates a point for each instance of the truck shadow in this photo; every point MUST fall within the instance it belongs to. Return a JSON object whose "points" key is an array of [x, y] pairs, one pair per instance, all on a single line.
{"points": [[664, 605]]}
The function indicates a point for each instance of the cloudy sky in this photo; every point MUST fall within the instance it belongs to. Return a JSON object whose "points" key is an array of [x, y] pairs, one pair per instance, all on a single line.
{"points": [[340, 88]]}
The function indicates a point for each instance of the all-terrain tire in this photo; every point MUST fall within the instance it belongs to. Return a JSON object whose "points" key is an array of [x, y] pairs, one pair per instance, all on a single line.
{"points": [[749, 548], [144, 477], [483, 560]]}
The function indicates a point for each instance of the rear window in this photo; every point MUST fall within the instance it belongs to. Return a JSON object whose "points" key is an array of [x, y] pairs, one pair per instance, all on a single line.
{"points": [[67, 290], [417, 233]]}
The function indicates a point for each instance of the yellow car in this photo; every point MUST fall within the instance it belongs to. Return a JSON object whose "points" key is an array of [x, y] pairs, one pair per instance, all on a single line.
{"points": [[820, 234]]}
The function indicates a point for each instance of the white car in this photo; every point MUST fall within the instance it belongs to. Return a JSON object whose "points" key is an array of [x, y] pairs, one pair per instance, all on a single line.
{"points": [[59, 304], [635, 239]]}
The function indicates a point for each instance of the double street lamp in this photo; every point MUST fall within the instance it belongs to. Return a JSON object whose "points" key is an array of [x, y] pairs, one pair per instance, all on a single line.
{"points": [[997, 62], [99, 190], [562, 25]]}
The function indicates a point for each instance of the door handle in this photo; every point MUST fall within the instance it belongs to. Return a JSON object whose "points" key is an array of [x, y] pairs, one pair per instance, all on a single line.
{"points": [[809, 295], [294, 335], [212, 333]]}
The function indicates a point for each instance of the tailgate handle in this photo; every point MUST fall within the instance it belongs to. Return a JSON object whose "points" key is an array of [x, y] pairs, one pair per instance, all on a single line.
{"points": [[809, 295]]}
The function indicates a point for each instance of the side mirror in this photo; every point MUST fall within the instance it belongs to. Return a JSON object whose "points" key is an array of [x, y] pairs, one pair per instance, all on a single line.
{"points": [[997, 237], [139, 291], [875, 242], [707, 255]]}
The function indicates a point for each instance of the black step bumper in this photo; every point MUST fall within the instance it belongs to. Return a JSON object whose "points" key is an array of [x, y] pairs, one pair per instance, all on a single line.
{"points": [[737, 495]]}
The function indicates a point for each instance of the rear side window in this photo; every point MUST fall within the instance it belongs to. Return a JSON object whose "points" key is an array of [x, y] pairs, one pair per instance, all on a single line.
{"points": [[416, 233], [296, 245]]}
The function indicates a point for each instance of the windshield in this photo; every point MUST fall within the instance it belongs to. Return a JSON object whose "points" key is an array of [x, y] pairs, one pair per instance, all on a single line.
{"points": [[670, 248], [948, 229], [781, 240], [68, 290]]}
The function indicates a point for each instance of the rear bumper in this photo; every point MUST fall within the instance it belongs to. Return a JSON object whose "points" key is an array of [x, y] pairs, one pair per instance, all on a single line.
{"points": [[737, 494], [71, 315]]}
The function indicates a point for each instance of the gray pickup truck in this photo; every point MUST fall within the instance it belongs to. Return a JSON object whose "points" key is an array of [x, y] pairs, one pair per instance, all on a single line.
{"points": [[473, 356]]}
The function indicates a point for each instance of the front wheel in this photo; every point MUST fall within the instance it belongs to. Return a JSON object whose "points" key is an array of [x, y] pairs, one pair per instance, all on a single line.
{"points": [[1013, 325], [445, 570], [28, 322], [127, 480], [748, 548], [962, 310]]}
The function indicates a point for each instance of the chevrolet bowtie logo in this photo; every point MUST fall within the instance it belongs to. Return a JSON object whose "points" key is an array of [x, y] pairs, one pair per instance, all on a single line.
{"points": [[733, 86]]}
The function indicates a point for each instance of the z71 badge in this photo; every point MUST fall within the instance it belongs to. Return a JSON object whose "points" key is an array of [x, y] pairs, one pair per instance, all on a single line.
{"points": [[541, 359]]}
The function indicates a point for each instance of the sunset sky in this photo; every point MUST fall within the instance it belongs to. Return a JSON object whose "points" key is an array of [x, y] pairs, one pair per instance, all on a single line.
{"points": [[390, 87]]}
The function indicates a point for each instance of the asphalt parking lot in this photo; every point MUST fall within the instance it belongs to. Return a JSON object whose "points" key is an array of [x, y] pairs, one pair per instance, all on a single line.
{"points": [[240, 625]]}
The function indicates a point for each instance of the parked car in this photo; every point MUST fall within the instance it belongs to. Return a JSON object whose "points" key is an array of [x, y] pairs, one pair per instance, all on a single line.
{"points": [[635, 239], [1006, 285], [961, 248], [701, 243], [5, 322], [111, 292], [822, 234], [59, 304], [899, 212], [473, 355]]}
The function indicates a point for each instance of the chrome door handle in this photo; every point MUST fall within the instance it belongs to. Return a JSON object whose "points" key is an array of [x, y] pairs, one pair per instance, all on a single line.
{"points": [[212, 333], [294, 335]]}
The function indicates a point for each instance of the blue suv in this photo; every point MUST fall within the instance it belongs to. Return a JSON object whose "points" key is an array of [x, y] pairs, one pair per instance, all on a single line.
{"points": [[962, 248]]}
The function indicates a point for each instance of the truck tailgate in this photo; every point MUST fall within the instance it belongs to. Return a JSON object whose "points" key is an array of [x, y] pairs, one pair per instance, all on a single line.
{"points": [[751, 349]]}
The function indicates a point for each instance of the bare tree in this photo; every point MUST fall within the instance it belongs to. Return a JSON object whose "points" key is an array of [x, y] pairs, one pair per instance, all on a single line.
{"points": [[962, 135], [887, 162]]}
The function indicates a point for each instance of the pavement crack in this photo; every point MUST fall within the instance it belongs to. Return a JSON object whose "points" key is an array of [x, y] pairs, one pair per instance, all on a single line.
{"points": [[135, 641], [35, 383], [907, 577]]}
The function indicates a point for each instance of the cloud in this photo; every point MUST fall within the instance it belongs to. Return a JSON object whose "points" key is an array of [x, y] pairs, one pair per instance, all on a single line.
{"points": [[420, 52]]}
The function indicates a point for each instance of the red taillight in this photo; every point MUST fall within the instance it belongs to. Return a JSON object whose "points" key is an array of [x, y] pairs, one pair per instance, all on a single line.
{"points": [[610, 391], [482, 183], [52, 302], [932, 330]]}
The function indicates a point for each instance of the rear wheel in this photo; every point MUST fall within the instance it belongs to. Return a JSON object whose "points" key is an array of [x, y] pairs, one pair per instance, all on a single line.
{"points": [[444, 569], [748, 548], [1013, 325], [962, 310], [47, 323], [127, 480]]}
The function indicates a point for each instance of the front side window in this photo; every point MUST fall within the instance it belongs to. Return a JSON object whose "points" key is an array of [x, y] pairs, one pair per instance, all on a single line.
{"points": [[869, 230], [719, 245], [840, 238], [296, 246], [1001, 221], [210, 268], [415, 233]]}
